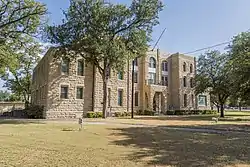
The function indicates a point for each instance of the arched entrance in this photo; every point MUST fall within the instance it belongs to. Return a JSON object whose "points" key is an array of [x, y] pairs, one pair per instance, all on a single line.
{"points": [[159, 102]]}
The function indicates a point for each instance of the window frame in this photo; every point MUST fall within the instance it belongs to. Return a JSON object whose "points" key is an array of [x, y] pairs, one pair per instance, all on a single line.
{"points": [[120, 98], [83, 67], [165, 66], [152, 62], [63, 66], [79, 87], [67, 95]]}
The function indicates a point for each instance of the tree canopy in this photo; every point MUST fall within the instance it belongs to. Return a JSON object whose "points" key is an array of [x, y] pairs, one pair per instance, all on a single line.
{"points": [[106, 35], [19, 20]]}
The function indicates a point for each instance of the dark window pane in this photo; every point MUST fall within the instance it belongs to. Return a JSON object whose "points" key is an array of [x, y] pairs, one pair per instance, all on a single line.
{"points": [[136, 77], [79, 93], [65, 66], [64, 92], [136, 99], [120, 75], [80, 68], [120, 97], [185, 100]]}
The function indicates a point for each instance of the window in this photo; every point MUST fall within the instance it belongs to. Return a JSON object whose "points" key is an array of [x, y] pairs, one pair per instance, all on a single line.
{"points": [[191, 68], [164, 66], [65, 66], [202, 100], [164, 80], [120, 75], [192, 96], [136, 61], [152, 78], [64, 92], [136, 99], [120, 97], [152, 62], [184, 67], [135, 77], [191, 82], [109, 97], [79, 93], [185, 100], [184, 81], [80, 67]]}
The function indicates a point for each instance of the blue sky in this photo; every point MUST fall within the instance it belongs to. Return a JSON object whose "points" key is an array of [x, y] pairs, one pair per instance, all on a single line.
{"points": [[190, 24]]}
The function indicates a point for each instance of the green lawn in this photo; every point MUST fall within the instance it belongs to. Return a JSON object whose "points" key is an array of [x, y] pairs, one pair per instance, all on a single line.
{"points": [[52, 144]]}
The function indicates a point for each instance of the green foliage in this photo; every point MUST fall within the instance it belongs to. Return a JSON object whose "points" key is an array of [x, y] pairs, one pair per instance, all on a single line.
{"points": [[145, 112], [35, 112], [107, 36], [122, 114], [94, 115], [214, 76], [20, 19], [191, 112], [18, 78], [239, 51], [4, 95]]}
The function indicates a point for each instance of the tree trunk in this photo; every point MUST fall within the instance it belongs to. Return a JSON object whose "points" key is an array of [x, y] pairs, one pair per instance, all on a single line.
{"points": [[218, 108], [222, 110], [105, 91]]}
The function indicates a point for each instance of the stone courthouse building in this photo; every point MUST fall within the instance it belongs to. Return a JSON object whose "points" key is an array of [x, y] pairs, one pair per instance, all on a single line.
{"points": [[68, 88]]}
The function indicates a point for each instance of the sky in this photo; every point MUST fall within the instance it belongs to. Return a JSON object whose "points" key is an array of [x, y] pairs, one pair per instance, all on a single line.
{"points": [[190, 24]]}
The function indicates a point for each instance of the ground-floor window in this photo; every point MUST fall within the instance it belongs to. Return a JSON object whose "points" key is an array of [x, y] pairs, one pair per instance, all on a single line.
{"points": [[136, 99], [185, 100], [64, 92], [120, 97], [79, 93], [202, 100]]}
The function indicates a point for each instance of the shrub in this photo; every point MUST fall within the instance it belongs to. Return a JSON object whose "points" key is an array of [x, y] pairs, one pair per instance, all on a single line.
{"points": [[190, 112], [99, 114], [94, 115], [122, 114], [35, 112], [170, 112]]}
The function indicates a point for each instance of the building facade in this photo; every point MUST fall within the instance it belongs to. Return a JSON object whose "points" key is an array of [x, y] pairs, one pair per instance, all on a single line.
{"points": [[68, 88]]}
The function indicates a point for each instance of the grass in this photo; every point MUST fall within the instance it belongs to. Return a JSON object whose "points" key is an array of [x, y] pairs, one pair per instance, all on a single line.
{"points": [[43, 144]]}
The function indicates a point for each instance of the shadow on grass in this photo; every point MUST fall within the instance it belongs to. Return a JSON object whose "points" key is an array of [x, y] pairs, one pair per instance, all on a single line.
{"points": [[193, 118], [159, 146], [19, 121]]}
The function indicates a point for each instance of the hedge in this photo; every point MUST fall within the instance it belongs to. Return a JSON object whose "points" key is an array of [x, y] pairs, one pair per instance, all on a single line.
{"points": [[94, 115], [34, 112], [190, 112], [145, 112]]}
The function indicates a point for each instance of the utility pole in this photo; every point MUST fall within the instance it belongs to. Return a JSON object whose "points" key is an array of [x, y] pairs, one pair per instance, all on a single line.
{"points": [[132, 98]]}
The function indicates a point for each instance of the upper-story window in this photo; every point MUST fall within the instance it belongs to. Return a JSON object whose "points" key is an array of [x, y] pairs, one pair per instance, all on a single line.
{"points": [[65, 66], [164, 66], [136, 61], [191, 68], [184, 81], [191, 82], [80, 67], [164, 80], [136, 77], [152, 62], [120, 75], [184, 67], [152, 78]]}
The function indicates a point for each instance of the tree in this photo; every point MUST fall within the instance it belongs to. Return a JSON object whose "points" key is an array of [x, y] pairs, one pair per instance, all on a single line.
{"points": [[239, 52], [106, 35], [4, 95], [19, 19], [214, 75], [18, 77]]}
